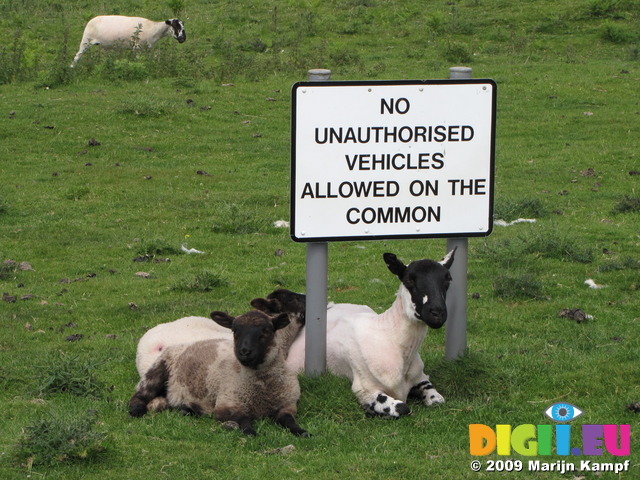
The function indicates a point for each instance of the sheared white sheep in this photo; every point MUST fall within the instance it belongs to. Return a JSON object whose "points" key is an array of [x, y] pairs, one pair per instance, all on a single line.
{"points": [[237, 380], [379, 353], [111, 30]]}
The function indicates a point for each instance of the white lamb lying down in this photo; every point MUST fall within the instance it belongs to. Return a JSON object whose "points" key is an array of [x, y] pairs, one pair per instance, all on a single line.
{"points": [[379, 353], [183, 330], [237, 380], [193, 329]]}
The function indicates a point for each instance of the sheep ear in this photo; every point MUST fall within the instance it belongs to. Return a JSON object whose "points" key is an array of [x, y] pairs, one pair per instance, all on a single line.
{"points": [[168, 22], [223, 319], [394, 265], [447, 261], [266, 305], [281, 321]]}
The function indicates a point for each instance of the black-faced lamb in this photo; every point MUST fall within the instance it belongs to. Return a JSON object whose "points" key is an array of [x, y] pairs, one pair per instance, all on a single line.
{"points": [[192, 329], [237, 380], [379, 353]]}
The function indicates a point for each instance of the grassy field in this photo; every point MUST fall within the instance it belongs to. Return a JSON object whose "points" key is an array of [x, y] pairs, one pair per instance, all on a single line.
{"points": [[108, 168]]}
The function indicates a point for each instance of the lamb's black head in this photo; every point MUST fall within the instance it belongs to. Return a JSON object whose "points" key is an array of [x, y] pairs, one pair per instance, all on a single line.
{"points": [[427, 282], [283, 301], [179, 33], [253, 334]]}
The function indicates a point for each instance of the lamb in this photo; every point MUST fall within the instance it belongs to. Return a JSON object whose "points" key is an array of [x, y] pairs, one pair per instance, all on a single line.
{"points": [[110, 30], [237, 380], [194, 328], [183, 330], [380, 353]]}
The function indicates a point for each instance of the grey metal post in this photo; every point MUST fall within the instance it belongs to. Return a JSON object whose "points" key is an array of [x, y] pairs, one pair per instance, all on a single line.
{"points": [[456, 341], [315, 360]]}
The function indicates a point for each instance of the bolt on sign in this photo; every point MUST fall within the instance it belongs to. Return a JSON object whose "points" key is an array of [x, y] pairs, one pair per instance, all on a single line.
{"points": [[392, 159]]}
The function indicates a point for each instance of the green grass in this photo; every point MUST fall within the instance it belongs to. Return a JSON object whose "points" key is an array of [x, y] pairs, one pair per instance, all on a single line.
{"points": [[194, 150], [60, 439]]}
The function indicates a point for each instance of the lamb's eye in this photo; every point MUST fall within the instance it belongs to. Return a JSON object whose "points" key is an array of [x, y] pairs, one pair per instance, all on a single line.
{"points": [[562, 412]]}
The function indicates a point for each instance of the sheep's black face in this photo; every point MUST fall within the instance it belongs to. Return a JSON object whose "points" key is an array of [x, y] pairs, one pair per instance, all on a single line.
{"points": [[179, 32], [427, 282], [283, 301], [290, 302], [253, 335]]}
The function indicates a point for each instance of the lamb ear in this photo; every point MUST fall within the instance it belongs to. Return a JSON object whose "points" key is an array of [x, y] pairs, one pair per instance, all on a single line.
{"points": [[168, 22], [223, 319], [447, 261], [266, 305], [281, 321], [394, 265]]}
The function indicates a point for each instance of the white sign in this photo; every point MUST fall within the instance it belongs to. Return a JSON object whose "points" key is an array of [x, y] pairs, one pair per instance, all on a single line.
{"points": [[375, 160]]}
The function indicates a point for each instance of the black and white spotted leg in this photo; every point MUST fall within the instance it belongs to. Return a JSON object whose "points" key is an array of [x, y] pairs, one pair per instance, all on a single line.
{"points": [[426, 392], [385, 406]]}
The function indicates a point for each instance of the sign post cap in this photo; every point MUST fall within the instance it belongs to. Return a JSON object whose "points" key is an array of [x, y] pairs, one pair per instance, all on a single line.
{"points": [[319, 75], [459, 72]]}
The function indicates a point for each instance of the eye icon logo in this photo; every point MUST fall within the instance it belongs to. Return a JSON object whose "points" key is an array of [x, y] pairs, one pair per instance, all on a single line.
{"points": [[563, 412]]}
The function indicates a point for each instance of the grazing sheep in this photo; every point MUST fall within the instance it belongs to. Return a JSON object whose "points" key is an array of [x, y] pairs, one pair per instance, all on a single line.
{"points": [[237, 380], [110, 30], [379, 353], [193, 329]]}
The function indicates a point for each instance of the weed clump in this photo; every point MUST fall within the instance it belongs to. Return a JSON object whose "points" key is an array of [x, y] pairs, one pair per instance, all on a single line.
{"points": [[152, 248], [72, 375], [536, 244], [512, 209], [176, 6], [77, 193], [550, 245], [124, 69], [12, 60], [59, 439], [7, 270], [521, 286], [602, 8], [457, 52], [614, 33], [204, 281], [4, 206], [626, 264], [59, 72], [628, 204], [236, 219]]}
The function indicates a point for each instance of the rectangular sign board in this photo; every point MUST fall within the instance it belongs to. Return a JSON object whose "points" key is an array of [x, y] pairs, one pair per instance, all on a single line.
{"points": [[392, 159]]}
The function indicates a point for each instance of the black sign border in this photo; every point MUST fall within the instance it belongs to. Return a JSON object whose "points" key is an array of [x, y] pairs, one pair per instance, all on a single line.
{"points": [[374, 83]]}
